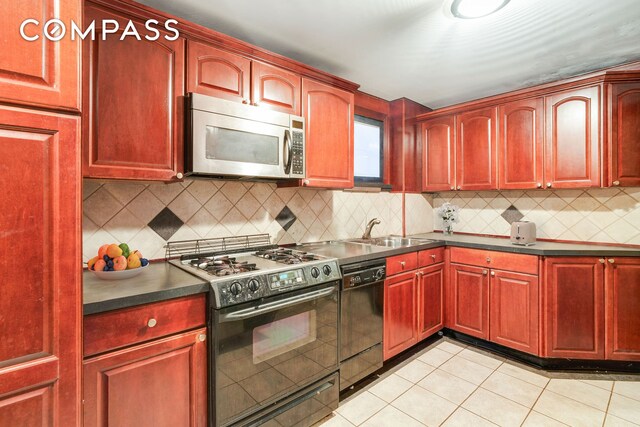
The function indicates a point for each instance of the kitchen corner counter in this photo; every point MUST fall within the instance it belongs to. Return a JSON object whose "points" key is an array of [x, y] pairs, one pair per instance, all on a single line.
{"points": [[161, 281], [539, 248]]}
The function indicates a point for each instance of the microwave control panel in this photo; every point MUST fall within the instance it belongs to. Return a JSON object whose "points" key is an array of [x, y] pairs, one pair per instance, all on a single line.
{"points": [[297, 153]]}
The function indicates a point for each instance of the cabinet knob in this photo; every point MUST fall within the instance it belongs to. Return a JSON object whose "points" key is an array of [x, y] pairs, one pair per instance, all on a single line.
{"points": [[179, 175], [433, 257], [402, 263], [493, 273], [245, 101], [611, 260], [485, 272], [202, 337], [152, 322], [453, 188], [488, 259], [601, 260], [539, 185], [548, 185], [256, 104], [616, 183], [305, 182], [459, 187]]}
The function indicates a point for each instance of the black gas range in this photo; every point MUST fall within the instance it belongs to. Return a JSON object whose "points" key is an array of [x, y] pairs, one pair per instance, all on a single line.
{"points": [[273, 328]]}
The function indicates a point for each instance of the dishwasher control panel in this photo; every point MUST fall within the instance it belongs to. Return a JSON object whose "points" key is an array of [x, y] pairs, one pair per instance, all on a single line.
{"points": [[364, 277]]}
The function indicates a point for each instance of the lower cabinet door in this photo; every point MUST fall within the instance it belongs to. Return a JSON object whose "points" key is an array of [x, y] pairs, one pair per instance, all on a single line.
{"points": [[513, 310], [162, 383], [430, 300], [622, 297], [574, 308], [469, 300], [399, 314]]}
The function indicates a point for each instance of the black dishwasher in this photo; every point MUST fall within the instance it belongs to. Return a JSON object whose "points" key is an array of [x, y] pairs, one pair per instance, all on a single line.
{"points": [[361, 309]]}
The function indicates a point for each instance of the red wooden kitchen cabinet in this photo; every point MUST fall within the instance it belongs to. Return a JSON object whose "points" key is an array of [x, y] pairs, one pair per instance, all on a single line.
{"points": [[133, 104], [40, 307], [42, 72], [162, 383], [430, 300], [399, 314], [572, 151], [476, 150], [521, 144], [469, 300], [624, 134], [622, 300], [574, 308], [438, 154], [328, 112], [513, 310], [216, 72]]}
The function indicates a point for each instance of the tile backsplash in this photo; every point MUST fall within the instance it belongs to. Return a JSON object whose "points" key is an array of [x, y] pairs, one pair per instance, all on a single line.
{"points": [[148, 215], [609, 215]]}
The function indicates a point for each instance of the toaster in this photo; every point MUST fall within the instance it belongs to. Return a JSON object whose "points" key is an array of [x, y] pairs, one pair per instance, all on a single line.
{"points": [[523, 233]]}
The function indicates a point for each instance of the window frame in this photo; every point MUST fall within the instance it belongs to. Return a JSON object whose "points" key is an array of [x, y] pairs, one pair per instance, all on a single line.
{"points": [[365, 180]]}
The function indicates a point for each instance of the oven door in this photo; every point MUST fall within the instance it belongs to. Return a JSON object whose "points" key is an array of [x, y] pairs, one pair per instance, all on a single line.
{"points": [[227, 145], [267, 351]]}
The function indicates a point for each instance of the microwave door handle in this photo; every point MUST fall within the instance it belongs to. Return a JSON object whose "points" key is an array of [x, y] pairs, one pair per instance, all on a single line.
{"points": [[288, 150], [276, 305]]}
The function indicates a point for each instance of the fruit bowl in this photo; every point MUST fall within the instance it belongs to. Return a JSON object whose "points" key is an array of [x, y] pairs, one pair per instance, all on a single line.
{"points": [[119, 275]]}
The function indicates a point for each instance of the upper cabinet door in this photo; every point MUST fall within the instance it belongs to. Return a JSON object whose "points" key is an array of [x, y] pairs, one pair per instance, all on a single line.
{"points": [[438, 139], [218, 73], [41, 306], [133, 105], [624, 134], [573, 139], [40, 72], [275, 88], [521, 139], [328, 112], [476, 150]]}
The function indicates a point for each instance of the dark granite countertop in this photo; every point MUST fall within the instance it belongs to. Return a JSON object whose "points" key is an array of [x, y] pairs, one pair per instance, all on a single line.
{"points": [[160, 281], [539, 248]]}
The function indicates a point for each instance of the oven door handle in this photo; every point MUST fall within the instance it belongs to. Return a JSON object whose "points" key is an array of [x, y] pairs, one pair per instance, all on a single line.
{"points": [[276, 305]]}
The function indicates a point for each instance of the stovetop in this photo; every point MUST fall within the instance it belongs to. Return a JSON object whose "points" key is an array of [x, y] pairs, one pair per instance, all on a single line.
{"points": [[256, 274]]}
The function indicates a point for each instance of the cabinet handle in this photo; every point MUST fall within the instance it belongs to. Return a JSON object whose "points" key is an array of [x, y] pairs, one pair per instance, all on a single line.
{"points": [[485, 272], [402, 264], [548, 185], [601, 260], [488, 259], [202, 337], [433, 257], [493, 273], [179, 175], [611, 260], [245, 101], [152, 322], [459, 187], [539, 185], [616, 183]]}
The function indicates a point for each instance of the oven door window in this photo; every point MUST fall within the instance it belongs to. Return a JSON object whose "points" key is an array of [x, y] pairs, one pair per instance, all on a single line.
{"points": [[284, 335], [240, 146]]}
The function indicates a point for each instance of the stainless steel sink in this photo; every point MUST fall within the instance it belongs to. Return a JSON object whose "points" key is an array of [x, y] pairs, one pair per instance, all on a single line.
{"points": [[392, 241]]}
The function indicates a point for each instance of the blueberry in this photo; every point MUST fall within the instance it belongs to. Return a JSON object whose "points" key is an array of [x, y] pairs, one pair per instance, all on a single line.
{"points": [[106, 258], [110, 263], [106, 268], [144, 262]]}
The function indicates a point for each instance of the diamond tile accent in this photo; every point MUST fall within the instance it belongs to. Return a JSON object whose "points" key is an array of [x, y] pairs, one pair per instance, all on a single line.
{"points": [[286, 218], [166, 223], [512, 214]]}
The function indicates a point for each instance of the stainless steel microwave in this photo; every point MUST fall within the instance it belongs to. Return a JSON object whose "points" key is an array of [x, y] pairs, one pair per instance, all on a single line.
{"points": [[226, 138]]}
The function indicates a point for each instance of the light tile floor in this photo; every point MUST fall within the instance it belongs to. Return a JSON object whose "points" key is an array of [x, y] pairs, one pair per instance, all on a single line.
{"points": [[449, 384]]}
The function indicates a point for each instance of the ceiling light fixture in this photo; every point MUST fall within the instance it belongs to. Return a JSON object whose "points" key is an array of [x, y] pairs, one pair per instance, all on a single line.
{"points": [[471, 9]]}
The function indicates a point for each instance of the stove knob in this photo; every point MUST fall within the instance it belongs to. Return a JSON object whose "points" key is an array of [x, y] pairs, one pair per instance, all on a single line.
{"points": [[379, 274], [326, 269], [315, 272], [254, 285], [235, 288]]}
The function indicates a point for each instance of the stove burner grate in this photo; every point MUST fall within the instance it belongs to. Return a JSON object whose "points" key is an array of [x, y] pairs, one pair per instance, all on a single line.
{"points": [[223, 266], [287, 256]]}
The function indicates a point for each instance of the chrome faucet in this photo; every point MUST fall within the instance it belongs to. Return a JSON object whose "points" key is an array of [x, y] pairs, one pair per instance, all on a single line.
{"points": [[367, 230]]}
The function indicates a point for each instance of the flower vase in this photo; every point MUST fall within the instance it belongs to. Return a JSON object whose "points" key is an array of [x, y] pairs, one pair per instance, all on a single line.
{"points": [[448, 228]]}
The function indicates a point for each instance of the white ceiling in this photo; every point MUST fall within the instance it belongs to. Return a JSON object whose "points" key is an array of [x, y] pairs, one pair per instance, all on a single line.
{"points": [[410, 48]]}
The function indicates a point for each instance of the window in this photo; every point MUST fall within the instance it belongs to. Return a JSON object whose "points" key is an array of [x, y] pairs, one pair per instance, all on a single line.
{"points": [[368, 150]]}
